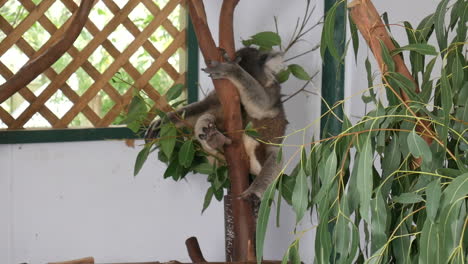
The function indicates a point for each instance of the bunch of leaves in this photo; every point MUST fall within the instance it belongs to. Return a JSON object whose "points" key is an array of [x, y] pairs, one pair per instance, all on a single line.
{"points": [[393, 187], [176, 145]]}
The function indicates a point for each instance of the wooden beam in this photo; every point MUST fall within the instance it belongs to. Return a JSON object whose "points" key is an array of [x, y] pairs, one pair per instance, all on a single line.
{"points": [[229, 98]]}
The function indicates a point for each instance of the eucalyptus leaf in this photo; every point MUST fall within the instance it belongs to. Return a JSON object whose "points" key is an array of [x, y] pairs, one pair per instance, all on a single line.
{"points": [[387, 57], [429, 252], [266, 39], [421, 48], [433, 193], [141, 158], [408, 198], [283, 75], [174, 92], [439, 23], [298, 72], [208, 198], [300, 196], [168, 139], [418, 147], [186, 154], [262, 221], [364, 179]]}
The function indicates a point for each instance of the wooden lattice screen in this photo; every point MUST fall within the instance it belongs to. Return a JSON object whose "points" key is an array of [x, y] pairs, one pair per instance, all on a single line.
{"points": [[121, 59]]}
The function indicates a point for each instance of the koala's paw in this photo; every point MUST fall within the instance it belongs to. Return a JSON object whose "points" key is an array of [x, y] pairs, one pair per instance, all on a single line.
{"points": [[207, 132], [250, 194], [220, 70], [153, 131]]}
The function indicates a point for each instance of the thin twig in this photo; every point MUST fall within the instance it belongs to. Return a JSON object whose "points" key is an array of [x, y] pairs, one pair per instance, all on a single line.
{"points": [[302, 88]]}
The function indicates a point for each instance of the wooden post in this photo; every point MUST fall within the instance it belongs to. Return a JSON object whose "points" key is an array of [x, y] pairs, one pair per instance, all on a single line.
{"points": [[235, 154]]}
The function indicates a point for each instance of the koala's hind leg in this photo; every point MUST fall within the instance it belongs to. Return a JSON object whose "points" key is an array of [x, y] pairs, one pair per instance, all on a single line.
{"points": [[270, 170], [208, 134]]}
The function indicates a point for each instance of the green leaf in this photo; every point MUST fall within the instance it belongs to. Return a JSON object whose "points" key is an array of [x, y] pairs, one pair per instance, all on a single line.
{"points": [[418, 147], [137, 110], [299, 72], [404, 83], [283, 75], [425, 28], [452, 200], [387, 58], [208, 198], [186, 154], [174, 92], [286, 257], [175, 170], [446, 92], [304, 161], [390, 162], [379, 222], [323, 240], [141, 158], [378, 256], [287, 187], [294, 254], [262, 221], [457, 71], [266, 39], [220, 178], [299, 196], [364, 178], [370, 80], [279, 157], [168, 139], [204, 168], [354, 37], [457, 189], [421, 48], [328, 41], [408, 198], [429, 244], [433, 193], [327, 172], [251, 131], [439, 23], [385, 19]]}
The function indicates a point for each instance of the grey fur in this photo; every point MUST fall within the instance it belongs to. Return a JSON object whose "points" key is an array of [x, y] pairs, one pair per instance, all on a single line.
{"points": [[253, 73]]}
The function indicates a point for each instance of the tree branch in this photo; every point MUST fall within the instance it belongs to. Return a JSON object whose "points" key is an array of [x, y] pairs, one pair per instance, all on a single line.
{"points": [[368, 21], [235, 154], [38, 65]]}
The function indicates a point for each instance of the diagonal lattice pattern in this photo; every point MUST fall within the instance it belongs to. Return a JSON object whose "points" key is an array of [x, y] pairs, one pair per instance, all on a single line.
{"points": [[125, 45]]}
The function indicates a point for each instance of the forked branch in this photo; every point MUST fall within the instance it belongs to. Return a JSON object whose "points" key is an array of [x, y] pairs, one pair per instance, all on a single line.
{"points": [[368, 21], [235, 154]]}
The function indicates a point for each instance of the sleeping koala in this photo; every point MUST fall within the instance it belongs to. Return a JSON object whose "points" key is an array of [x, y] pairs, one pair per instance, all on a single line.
{"points": [[253, 72]]}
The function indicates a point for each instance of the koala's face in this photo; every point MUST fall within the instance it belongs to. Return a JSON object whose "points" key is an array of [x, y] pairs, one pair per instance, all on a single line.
{"points": [[275, 62]]}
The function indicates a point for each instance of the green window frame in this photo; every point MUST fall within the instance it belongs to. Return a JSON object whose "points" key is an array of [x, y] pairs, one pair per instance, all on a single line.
{"points": [[25, 136]]}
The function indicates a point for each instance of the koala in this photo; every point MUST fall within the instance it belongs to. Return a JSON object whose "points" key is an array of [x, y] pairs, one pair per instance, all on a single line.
{"points": [[253, 73]]}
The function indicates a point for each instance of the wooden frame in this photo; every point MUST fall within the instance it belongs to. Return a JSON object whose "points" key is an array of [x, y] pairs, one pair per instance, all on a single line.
{"points": [[185, 37]]}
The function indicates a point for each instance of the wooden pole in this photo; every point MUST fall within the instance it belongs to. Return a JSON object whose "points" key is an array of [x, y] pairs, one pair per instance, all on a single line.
{"points": [[235, 154]]}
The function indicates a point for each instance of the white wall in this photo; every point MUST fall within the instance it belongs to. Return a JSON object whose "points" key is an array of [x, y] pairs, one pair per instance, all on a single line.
{"points": [[69, 200]]}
